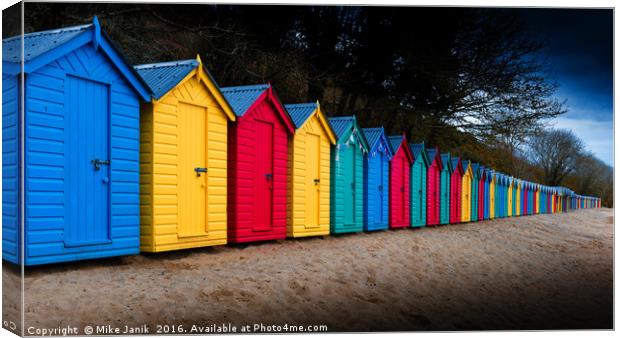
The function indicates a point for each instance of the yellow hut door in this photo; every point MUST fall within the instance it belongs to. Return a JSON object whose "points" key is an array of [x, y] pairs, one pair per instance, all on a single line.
{"points": [[313, 183], [192, 171]]}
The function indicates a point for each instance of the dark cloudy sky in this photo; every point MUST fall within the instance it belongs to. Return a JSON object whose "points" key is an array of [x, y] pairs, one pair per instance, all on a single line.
{"points": [[580, 51]]}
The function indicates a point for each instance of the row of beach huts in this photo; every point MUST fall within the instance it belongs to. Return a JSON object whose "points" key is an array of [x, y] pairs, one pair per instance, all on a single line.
{"points": [[108, 159]]}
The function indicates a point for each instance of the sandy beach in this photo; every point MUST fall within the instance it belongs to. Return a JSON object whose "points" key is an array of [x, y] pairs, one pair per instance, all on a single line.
{"points": [[534, 272]]}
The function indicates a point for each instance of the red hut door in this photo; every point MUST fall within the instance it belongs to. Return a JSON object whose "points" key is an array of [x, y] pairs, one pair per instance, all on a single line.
{"points": [[397, 201], [432, 198], [403, 171], [264, 175]]}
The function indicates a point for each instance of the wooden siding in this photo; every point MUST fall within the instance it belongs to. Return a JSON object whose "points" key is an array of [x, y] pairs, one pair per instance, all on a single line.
{"points": [[46, 171], [344, 169], [376, 187], [165, 225], [299, 177], [433, 193], [418, 192], [242, 175], [466, 194], [10, 168], [445, 196]]}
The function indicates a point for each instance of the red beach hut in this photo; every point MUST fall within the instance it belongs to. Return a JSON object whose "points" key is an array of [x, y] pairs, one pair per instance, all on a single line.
{"points": [[433, 187], [400, 167], [455, 190], [257, 164], [482, 176]]}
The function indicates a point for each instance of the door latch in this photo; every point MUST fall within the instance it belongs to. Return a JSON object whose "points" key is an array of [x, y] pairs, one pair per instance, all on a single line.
{"points": [[317, 181], [268, 177], [199, 170], [97, 163]]}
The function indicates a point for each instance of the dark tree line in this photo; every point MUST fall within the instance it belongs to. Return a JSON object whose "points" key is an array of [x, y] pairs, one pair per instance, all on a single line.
{"points": [[468, 80], [559, 157]]}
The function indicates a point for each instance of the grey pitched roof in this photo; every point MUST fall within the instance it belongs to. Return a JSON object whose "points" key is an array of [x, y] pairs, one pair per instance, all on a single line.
{"points": [[164, 76], [38, 43], [373, 135], [341, 124], [301, 112], [241, 98]]}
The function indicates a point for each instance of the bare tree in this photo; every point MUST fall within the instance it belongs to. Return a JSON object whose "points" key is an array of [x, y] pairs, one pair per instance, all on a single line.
{"points": [[588, 169], [555, 151], [593, 177]]}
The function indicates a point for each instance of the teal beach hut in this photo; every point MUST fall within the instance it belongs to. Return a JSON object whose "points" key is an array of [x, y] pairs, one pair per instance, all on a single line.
{"points": [[347, 176], [418, 184], [498, 194], [446, 173]]}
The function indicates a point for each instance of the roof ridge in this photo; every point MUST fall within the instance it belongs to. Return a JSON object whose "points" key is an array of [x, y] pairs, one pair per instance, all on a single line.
{"points": [[246, 87], [49, 32], [166, 64], [301, 104], [347, 117]]}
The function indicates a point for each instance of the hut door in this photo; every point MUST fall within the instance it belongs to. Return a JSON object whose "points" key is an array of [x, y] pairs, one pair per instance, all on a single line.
{"points": [[431, 194], [466, 199], [87, 163], [380, 187], [192, 170], [313, 176], [403, 171], [445, 190], [349, 167], [264, 175], [400, 168], [421, 185]]}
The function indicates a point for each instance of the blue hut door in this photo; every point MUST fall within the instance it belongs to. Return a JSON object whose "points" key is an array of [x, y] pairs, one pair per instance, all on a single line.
{"points": [[349, 184], [87, 163]]}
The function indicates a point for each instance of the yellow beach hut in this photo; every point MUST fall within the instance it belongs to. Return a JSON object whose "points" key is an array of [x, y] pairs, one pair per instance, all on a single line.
{"points": [[466, 182], [183, 156], [518, 198], [309, 171]]}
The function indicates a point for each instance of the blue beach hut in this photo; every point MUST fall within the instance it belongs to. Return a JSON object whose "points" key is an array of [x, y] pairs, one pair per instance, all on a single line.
{"points": [[487, 192], [376, 179], [81, 147]]}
